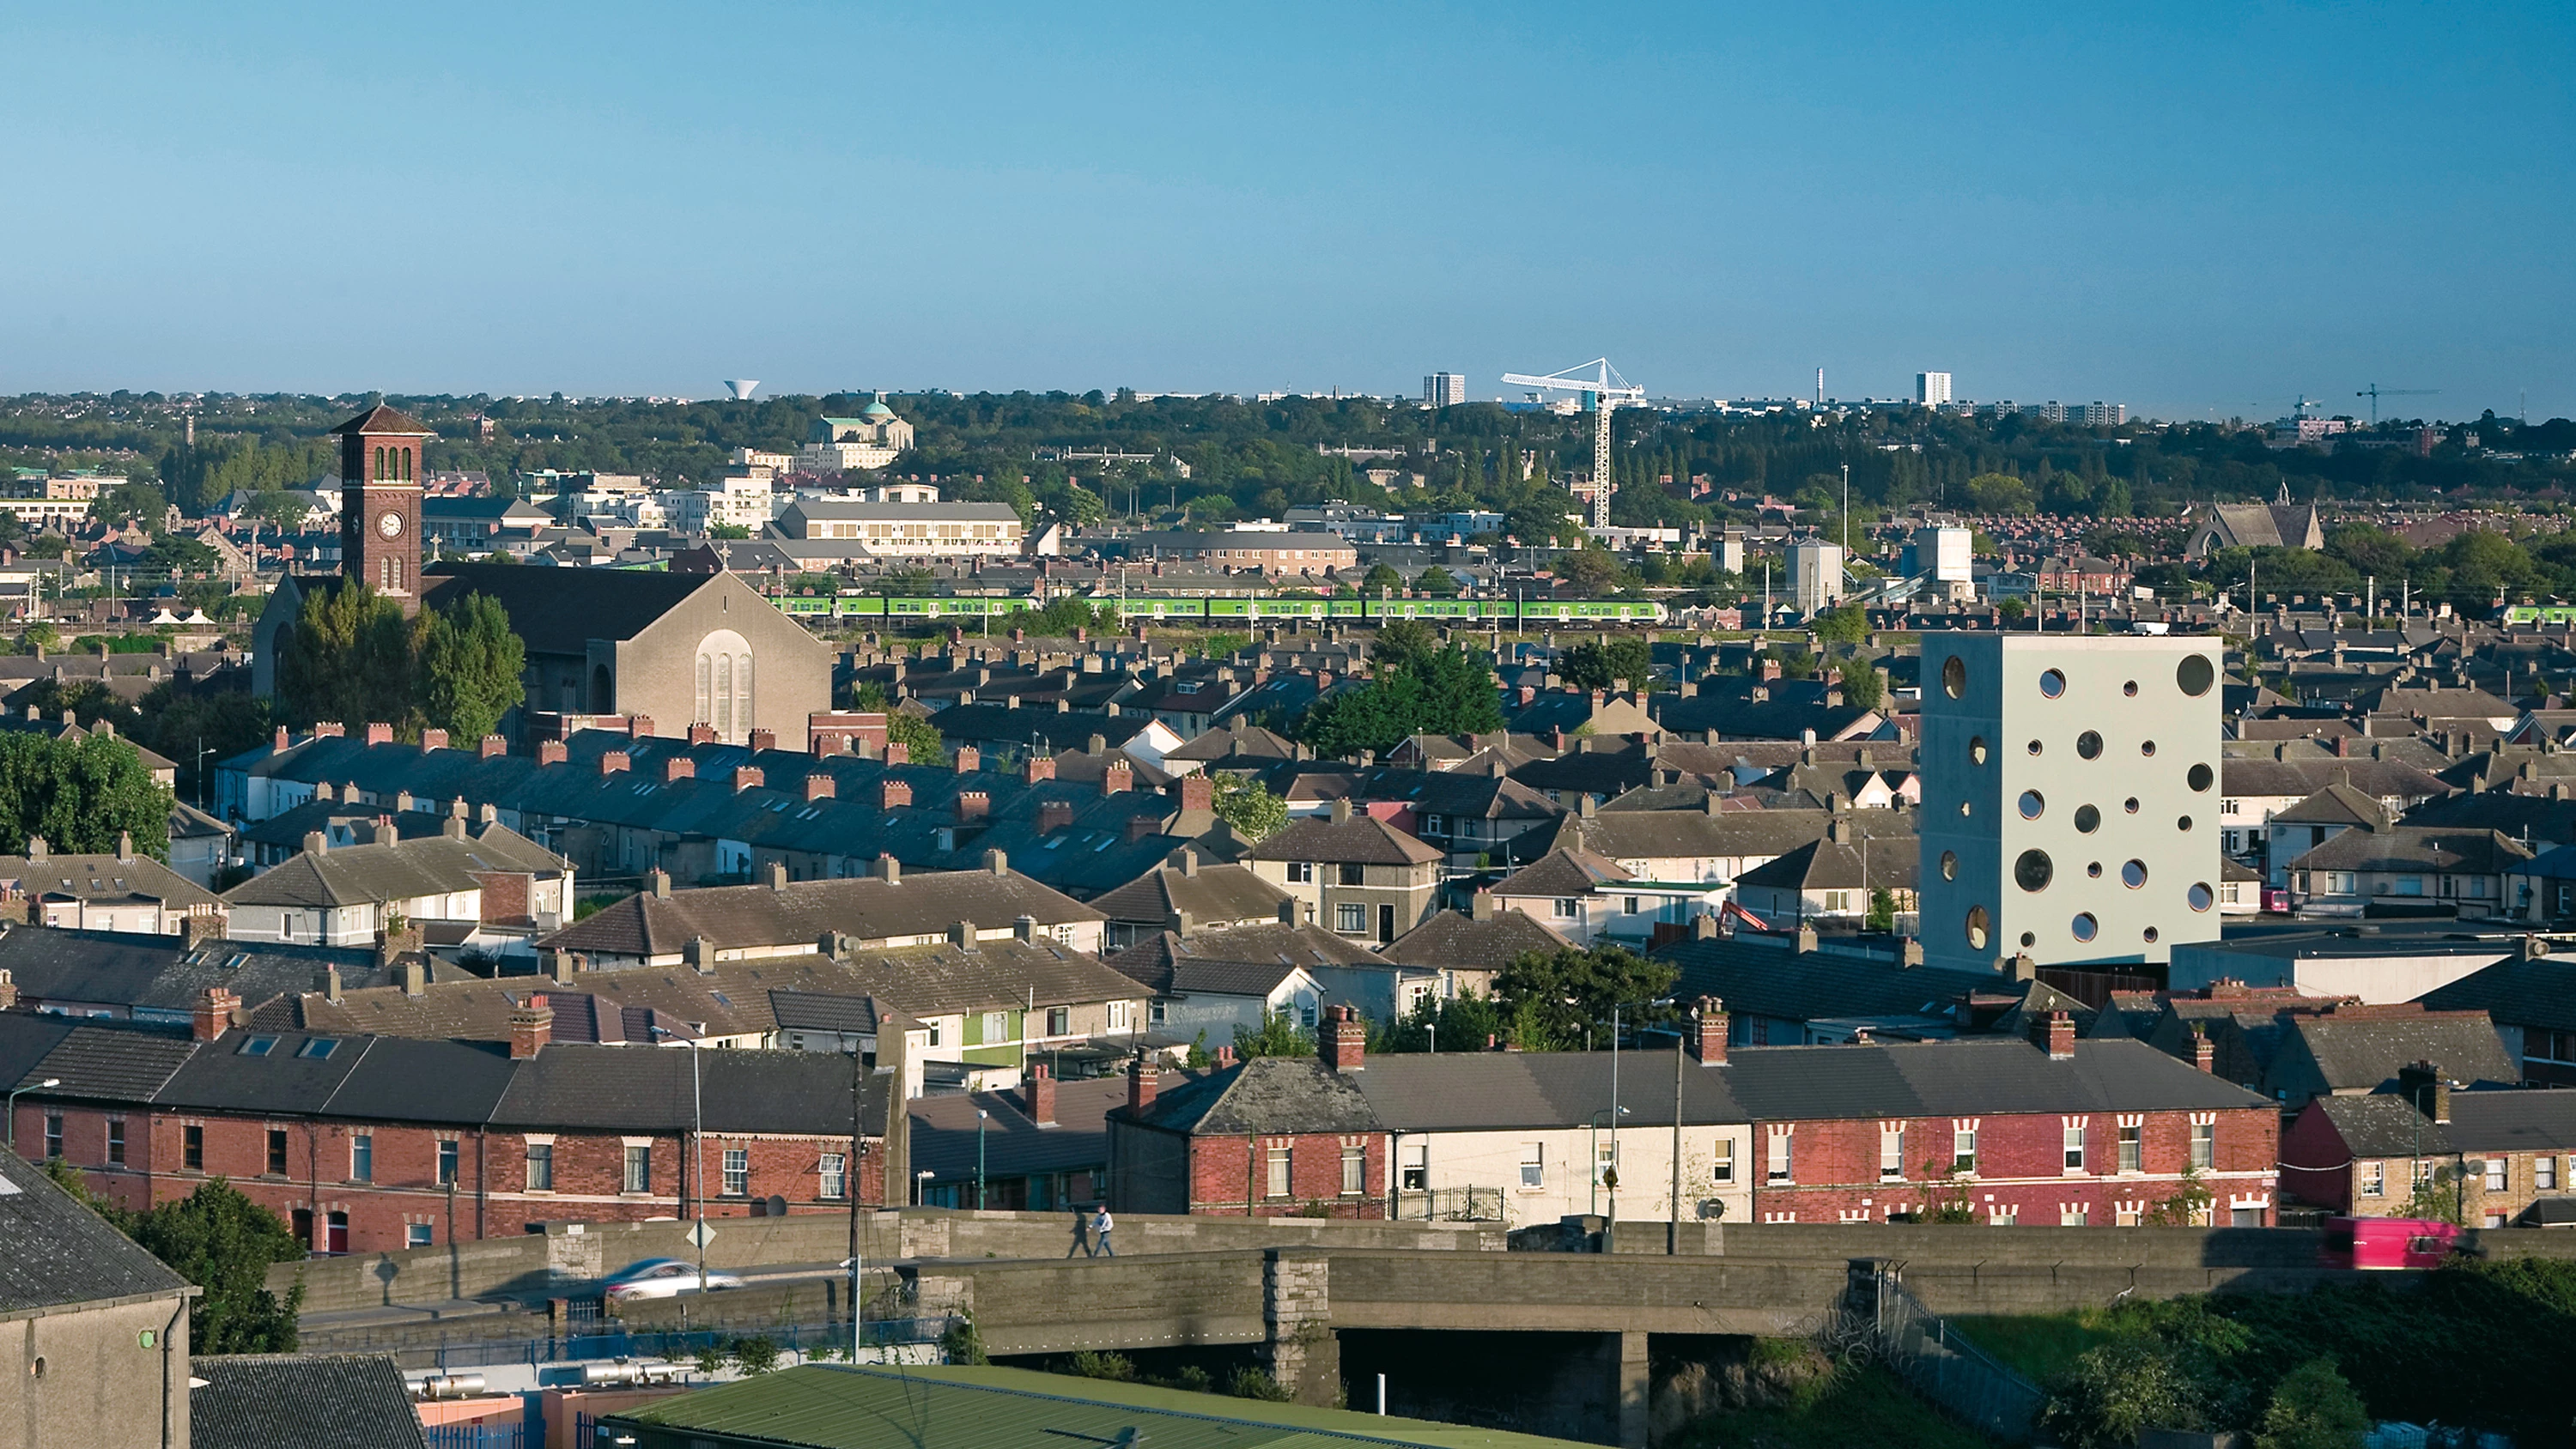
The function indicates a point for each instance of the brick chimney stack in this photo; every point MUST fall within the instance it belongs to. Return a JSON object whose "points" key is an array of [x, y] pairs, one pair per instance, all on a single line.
{"points": [[2057, 1033], [1118, 779], [969, 759], [1039, 767], [2204, 1052], [214, 1013], [763, 741], [892, 793], [1141, 1082], [1343, 1043], [491, 747], [531, 1027], [1709, 1045], [1040, 1102], [820, 787]]}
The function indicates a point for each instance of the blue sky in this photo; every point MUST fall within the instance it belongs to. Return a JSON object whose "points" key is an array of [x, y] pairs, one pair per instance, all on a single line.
{"points": [[2190, 208]]}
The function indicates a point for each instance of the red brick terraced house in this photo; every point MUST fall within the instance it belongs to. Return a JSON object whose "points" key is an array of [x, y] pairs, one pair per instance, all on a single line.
{"points": [[2053, 1131], [1266, 1137], [370, 1143]]}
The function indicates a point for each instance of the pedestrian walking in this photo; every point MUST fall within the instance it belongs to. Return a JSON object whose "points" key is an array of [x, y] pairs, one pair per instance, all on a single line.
{"points": [[1100, 1226]]}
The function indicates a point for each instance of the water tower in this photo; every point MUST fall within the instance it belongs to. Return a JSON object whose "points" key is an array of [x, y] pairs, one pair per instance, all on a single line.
{"points": [[741, 390]]}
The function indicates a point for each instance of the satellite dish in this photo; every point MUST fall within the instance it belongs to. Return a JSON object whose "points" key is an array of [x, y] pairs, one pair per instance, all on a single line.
{"points": [[777, 1206], [742, 389]]}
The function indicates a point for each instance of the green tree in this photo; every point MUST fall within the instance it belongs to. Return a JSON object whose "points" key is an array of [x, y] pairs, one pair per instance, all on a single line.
{"points": [[1602, 662], [133, 503], [1442, 693], [2012, 609], [1556, 999], [178, 553], [468, 671], [2118, 1389], [728, 530], [1459, 1024], [1591, 569], [1844, 624], [1381, 578], [2001, 493], [1402, 643], [1862, 688], [347, 658], [2313, 1408], [1279, 1035], [224, 1243], [1436, 580], [80, 795], [1253, 811]]}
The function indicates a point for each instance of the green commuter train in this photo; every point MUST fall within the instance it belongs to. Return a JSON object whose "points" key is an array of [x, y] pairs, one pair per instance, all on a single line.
{"points": [[1609, 613]]}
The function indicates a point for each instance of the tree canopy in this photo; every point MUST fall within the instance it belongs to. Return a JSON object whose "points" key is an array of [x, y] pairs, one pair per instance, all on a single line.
{"points": [[353, 658], [1557, 1001], [80, 795], [1442, 693]]}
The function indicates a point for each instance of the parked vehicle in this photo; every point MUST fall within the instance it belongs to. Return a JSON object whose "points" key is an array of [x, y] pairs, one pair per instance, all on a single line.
{"points": [[2389, 1243], [660, 1278]]}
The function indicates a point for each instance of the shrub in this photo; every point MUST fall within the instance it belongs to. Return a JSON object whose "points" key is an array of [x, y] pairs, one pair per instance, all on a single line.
{"points": [[2118, 1389], [1114, 1366], [1252, 1383], [757, 1354], [2313, 1409]]}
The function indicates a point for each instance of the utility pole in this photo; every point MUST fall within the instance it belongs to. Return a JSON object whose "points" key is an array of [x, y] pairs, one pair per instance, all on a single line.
{"points": [[850, 1190], [1673, 1232]]}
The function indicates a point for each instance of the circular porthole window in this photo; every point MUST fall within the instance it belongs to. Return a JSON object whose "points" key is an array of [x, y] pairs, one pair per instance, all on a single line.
{"points": [[2029, 938], [2084, 926], [2130, 805], [2194, 675], [2088, 746], [1977, 933], [2032, 804], [2200, 897], [2052, 682], [2130, 689], [2094, 870], [2134, 874], [2034, 747], [2200, 777], [1954, 677], [2087, 819], [2183, 824], [1976, 749], [2032, 871], [2147, 748], [2150, 935], [1949, 865]]}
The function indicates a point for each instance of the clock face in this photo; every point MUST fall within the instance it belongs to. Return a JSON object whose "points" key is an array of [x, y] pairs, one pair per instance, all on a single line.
{"points": [[390, 525]]}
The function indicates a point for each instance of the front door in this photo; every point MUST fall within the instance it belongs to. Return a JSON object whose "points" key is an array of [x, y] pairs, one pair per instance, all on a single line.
{"points": [[1385, 924], [303, 1223], [336, 1227]]}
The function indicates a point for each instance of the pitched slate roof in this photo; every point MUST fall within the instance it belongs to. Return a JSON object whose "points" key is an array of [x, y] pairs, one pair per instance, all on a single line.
{"points": [[1360, 840], [558, 610], [2385, 1125], [309, 1400], [1861, 862], [2336, 804], [1471, 1091], [2540, 991], [637, 1089], [104, 877], [1562, 872], [1208, 893], [2514, 1121], [1265, 1094], [54, 1251], [402, 870], [1764, 977], [2413, 848], [1934, 1079], [867, 908], [1454, 939], [384, 419], [158, 973], [2339, 1053], [1159, 964]]}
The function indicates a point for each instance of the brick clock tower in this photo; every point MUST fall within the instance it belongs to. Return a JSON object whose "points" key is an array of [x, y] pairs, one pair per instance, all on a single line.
{"points": [[380, 503]]}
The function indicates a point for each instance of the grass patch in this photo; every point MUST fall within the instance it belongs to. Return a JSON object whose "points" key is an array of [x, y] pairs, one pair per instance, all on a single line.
{"points": [[2039, 1347], [1861, 1408]]}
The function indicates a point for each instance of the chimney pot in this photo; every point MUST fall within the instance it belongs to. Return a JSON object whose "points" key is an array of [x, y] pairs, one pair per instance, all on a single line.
{"points": [[531, 1027], [1142, 1080], [1040, 1099], [1343, 1043], [432, 740], [1709, 1042]]}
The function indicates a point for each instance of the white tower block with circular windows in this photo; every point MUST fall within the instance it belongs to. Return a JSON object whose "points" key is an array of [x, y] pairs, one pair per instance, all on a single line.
{"points": [[2070, 798]]}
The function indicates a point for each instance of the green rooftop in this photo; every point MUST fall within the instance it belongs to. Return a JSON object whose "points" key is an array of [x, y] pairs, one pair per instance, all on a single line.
{"points": [[833, 1406]]}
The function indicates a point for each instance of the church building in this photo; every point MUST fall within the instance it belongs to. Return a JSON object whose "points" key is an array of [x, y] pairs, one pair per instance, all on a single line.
{"points": [[677, 649]]}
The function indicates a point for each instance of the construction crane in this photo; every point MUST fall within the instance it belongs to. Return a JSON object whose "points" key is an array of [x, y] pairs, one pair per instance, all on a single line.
{"points": [[1599, 393], [2375, 392]]}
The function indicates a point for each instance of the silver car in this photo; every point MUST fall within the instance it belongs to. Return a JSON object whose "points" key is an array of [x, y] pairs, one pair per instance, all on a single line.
{"points": [[660, 1278]]}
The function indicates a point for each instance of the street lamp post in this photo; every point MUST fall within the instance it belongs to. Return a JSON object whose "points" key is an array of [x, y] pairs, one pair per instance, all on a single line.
{"points": [[13, 1105], [981, 1118], [698, 1143]]}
